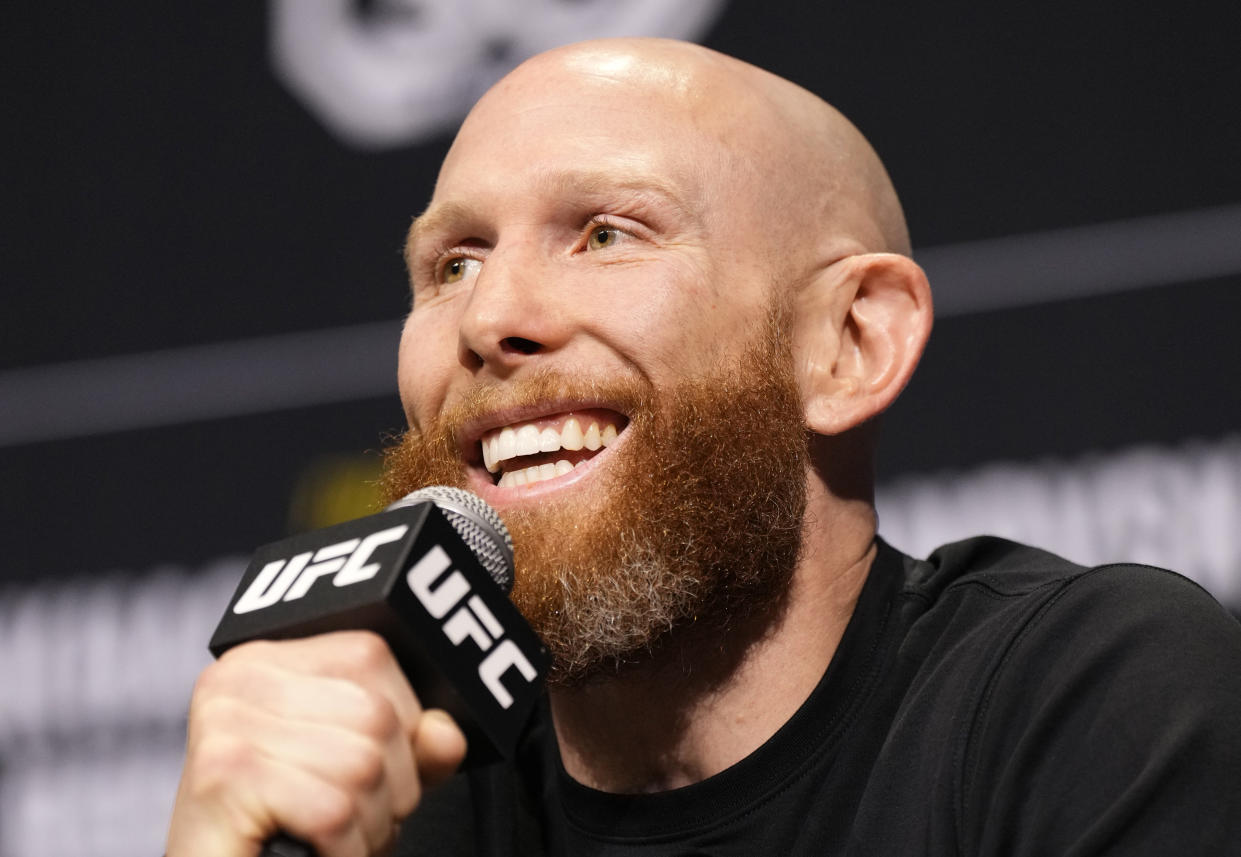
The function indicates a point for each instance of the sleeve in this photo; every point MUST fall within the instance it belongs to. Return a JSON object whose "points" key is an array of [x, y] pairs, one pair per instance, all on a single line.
{"points": [[1112, 726]]}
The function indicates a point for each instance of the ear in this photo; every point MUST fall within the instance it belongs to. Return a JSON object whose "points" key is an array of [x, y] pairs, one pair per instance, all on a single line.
{"points": [[858, 332]]}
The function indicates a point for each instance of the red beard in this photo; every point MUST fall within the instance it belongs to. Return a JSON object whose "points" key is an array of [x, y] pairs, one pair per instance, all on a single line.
{"points": [[698, 517]]}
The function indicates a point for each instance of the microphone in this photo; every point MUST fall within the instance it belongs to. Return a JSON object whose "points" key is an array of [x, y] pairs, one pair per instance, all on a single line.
{"points": [[431, 575]]}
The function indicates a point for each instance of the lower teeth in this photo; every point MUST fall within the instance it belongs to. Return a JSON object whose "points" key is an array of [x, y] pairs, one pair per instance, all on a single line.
{"points": [[537, 473]]}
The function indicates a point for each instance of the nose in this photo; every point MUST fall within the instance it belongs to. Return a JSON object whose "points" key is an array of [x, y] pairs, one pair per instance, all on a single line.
{"points": [[512, 316]]}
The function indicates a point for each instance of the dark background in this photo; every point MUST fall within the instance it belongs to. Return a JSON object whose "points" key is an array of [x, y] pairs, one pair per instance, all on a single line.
{"points": [[161, 189]]}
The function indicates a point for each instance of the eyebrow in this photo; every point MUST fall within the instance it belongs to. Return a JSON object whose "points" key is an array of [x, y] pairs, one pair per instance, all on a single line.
{"points": [[434, 219], [562, 183]]}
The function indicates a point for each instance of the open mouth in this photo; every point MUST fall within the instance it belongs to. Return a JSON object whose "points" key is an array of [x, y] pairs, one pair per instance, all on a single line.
{"points": [[536, 450]]}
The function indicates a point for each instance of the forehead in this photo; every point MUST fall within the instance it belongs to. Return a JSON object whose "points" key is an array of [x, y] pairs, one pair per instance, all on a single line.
{"points": [[582, 132]]}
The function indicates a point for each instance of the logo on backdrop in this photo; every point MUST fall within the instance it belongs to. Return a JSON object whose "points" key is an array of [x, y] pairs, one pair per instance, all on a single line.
{"points": [[387, 73]]}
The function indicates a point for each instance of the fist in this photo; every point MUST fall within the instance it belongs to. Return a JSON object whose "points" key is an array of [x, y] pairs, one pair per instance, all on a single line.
{"points": [[320, 738]]}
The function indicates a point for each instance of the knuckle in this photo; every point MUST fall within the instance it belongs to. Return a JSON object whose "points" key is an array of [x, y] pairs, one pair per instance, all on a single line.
{"points": [[336, 811], [216, 716], [211, 680], [217, 761], [244, 653], [367, 651], [376, 716], [234, 669], [363, 766]]}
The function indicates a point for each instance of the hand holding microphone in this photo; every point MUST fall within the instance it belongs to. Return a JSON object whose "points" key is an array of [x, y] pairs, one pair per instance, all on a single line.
{"points": [[322, 737]]}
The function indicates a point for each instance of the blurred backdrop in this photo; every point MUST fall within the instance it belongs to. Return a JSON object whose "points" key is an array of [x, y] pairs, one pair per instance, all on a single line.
{"points": [[204, 206]]}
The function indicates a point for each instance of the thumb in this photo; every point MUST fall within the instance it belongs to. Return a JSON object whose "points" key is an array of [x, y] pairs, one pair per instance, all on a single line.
{"points": [[439, 747]]}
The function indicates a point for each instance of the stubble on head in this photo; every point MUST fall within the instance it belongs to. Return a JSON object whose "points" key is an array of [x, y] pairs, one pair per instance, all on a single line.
{"points": [[698, 523]]}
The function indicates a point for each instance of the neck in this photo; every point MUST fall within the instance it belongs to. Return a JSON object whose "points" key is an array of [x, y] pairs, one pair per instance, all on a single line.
{"points": [[708, 699]]}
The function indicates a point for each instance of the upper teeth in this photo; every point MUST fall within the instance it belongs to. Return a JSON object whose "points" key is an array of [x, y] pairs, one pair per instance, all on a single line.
{"points": [[529, 439]]}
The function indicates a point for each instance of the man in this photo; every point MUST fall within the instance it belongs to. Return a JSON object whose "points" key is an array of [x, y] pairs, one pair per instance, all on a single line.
{"points": [[659, 299]]}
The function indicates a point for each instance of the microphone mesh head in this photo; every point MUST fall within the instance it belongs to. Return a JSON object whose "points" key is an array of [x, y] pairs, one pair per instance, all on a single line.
{"points": [[477, 524]]}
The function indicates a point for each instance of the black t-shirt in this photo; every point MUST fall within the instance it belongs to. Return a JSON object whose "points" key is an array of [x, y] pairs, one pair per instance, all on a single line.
{"points": [[992, 700]]}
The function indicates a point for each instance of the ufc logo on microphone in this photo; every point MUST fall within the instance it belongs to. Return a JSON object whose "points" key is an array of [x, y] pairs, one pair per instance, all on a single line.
{"points": [[290, 579], [471, 618]]}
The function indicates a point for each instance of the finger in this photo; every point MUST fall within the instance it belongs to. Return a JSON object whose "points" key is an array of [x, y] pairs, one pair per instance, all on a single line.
{"points": [[317, 812], [305, 698], [231, 800], [360, 657], [374, 765], [355, 766], [439, 747]]}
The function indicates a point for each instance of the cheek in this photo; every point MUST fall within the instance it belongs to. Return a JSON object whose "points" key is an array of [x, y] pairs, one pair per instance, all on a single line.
{"points": [[687, 316], [424, 364]]}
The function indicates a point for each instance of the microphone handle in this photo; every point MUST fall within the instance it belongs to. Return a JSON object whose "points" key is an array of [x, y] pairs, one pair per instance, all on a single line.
{"points": [[282, 845]]}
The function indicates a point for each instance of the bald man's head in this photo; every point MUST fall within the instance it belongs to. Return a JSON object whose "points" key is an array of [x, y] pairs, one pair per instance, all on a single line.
{"points": [[652, 292]]}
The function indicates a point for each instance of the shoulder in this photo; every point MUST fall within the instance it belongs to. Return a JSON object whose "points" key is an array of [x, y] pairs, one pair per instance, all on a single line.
{"points": [[1038, 625], [1037, 587], [1104, 700], [1058, 612]]}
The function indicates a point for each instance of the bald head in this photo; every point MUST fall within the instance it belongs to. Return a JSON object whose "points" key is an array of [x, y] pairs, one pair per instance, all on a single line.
{"points": [[799, 162]]}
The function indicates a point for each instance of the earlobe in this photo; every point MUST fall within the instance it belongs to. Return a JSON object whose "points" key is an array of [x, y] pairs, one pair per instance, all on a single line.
{"points": [[859, 331]]}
